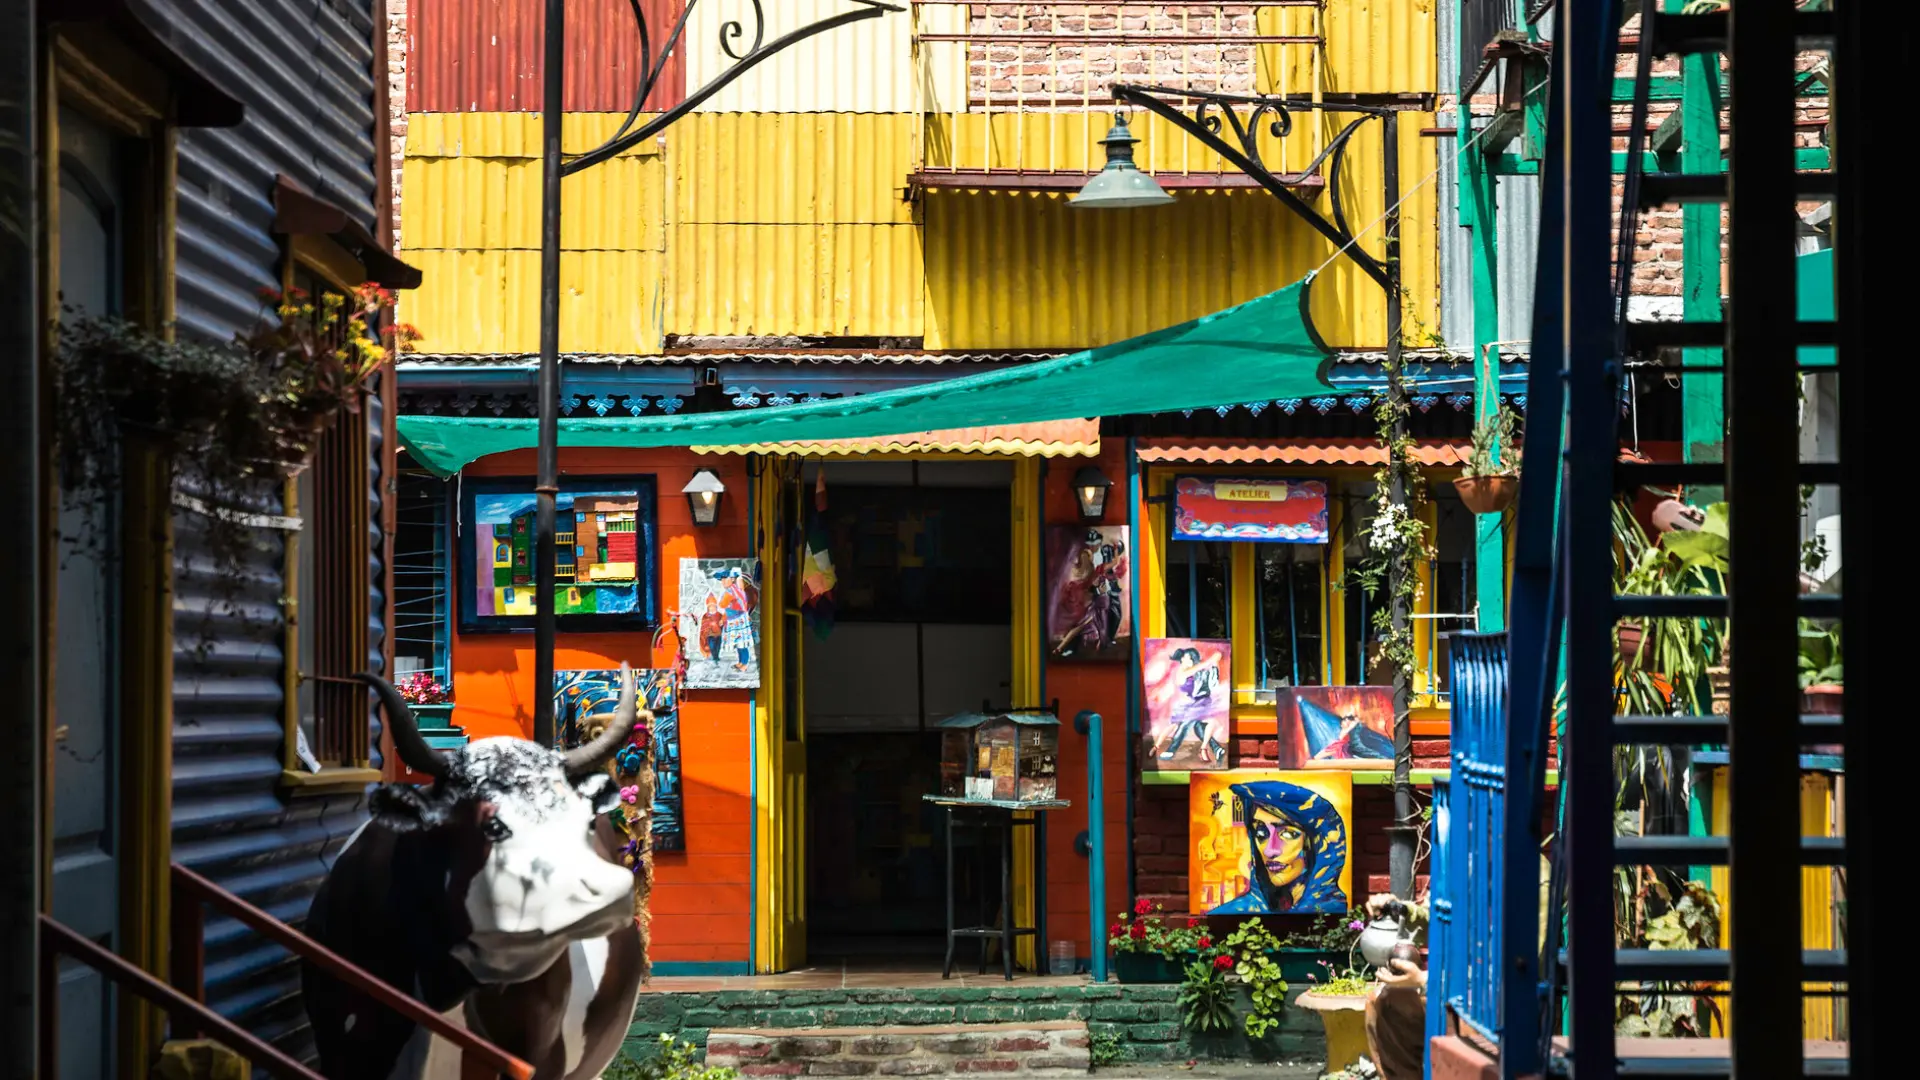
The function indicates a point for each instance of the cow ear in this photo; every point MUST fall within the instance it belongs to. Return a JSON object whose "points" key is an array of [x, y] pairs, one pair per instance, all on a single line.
{"points": [[408, 808], [598, 788]]}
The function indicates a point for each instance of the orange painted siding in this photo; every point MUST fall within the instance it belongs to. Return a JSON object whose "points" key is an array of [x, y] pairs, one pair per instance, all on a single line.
{"points": [[702, 897], [1102, 688]]}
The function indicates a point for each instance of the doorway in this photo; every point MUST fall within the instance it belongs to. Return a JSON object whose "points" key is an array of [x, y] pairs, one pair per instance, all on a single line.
{"points": [[922, 630]]}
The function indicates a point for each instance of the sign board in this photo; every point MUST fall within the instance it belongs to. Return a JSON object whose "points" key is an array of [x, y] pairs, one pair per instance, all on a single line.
{"points": [[1266, 509]]}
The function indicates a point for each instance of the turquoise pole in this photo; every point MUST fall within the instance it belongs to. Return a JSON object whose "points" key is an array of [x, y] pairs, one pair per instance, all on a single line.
{"points": [[1088, 724]]}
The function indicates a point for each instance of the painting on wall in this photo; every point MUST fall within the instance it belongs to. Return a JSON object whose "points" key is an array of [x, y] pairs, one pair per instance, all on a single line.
{"points": [[579, 697], [720, 622], [603, 554], [1336, 727], [1188, 698], [1262, 510], [1089, 615], [1269, 842]]}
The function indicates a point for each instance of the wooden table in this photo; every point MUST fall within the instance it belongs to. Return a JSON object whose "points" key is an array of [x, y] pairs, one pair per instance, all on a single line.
{"points": [[1002, 816]]}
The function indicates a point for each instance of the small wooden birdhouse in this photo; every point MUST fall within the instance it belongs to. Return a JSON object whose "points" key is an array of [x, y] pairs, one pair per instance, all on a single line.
{"points": [[1000, 756]]}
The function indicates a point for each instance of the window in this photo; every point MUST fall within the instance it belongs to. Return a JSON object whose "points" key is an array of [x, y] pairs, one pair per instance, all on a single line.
{"points": [[1451, 594], [422, 579], [1199, 577], [1287, 583], [331, 586]]}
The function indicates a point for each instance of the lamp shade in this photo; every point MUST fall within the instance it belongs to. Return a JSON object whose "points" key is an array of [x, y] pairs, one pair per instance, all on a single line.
{"points": [[703, 494], [1120, 185]]}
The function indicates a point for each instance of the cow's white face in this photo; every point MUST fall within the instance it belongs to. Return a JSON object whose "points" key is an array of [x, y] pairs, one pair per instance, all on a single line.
{"points": [[538, 879]]}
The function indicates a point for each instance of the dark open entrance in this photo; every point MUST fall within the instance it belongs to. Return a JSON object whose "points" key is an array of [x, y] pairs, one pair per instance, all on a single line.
{"points": [[922, 630]]}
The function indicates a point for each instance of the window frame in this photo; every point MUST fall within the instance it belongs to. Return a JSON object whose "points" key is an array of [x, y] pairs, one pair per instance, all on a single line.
{"points": [[647, 615]]}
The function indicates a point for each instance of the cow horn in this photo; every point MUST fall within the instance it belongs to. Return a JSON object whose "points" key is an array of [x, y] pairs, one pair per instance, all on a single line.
{"points": [[590, 755], [413, 749]]}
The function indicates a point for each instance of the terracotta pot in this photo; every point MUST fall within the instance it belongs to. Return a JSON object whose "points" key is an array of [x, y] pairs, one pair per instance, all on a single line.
{"points": [[1631, 635], [1487, 494], [1822, 700]]}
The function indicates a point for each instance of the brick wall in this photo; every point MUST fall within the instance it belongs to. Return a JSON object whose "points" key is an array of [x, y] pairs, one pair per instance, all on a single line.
{"points": [[396, 31], [1070, 70]]}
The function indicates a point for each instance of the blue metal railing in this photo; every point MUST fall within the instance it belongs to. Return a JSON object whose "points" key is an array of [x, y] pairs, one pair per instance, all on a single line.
{"points": [[1474, 873], [1442, 934]]}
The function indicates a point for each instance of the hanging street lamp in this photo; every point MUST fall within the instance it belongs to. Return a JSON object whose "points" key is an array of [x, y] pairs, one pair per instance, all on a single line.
{"points": [[1120, 185]]}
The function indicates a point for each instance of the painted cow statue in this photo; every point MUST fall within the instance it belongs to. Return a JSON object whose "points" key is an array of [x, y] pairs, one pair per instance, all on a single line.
{"points": [[491, 896]]}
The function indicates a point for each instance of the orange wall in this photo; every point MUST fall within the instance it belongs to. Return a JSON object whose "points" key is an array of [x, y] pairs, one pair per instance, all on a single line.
{"points": [[702, 897], [1102, 688]]}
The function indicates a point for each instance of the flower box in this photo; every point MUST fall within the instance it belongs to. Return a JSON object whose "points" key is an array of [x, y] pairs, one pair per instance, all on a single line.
{"points": [[1142, 967]]}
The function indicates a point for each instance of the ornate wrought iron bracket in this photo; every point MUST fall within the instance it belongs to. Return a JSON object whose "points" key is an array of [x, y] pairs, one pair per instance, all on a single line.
{"points": [[731, 32], [1235, 136]]}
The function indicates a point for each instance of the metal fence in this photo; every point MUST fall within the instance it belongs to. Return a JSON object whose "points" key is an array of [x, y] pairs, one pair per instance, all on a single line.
{"points": [[1475, 832], [1442, 934]]}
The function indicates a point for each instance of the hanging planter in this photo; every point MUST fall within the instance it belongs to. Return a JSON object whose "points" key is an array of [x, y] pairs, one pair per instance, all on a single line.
{"points": [[1487, 494]]}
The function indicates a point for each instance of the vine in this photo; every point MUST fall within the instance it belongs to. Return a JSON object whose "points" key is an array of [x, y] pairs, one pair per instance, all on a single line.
{"points": [[1398, 534]]}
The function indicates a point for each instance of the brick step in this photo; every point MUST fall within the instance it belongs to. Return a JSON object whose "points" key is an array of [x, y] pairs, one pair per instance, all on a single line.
{"points": [[1058, 1048]]}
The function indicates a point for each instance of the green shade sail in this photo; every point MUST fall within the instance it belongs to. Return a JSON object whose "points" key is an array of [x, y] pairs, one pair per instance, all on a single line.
{"points": [[1262, 350]]}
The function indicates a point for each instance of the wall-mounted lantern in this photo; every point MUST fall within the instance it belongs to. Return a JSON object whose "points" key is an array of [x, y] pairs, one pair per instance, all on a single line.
{"points": [[703, 494], [1090, 490]]}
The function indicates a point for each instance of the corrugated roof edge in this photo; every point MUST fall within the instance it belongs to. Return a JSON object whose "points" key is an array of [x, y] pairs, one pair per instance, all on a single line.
{"points": [[421, 361]]}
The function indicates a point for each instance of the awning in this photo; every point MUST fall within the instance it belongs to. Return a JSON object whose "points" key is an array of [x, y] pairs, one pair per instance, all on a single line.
{"points": [[1262, 349], [1293, 452], [297, 211], [1058, 438]]}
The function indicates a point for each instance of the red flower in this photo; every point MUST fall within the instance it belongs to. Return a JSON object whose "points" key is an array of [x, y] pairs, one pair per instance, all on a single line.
{"points": [[1223, 962], [1193, 924], [1142, 906], [269, 294], [1138, 933], [1205, 942]]}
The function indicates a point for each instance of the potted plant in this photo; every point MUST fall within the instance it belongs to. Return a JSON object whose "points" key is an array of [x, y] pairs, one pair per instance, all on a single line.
{"points": [[1235, 977], [1304, 952], [1491, 479], [430, 701], [1662, 662], [1822, 674], [1148, 950], [1339, 996]]}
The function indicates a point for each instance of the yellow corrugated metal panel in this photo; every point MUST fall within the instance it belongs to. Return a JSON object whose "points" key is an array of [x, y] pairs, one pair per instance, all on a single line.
{"points": [[863, 67], [791, 168], [509, 134], [1817, 818], [1069, 141], [841, 280], [494, 202], [1372, 47], [1027, 270], [489, 302], [1058, 438]]}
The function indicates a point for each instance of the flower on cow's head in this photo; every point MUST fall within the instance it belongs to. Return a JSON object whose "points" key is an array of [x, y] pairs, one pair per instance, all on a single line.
{"points": [[630, 794]]}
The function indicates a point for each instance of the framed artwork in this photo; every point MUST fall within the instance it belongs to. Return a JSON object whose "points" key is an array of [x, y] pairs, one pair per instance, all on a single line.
{"points": [[580, 696], [720, 622], [1263, 509], [1089, 614], [1335, 727], [1187, 702], [1269, 843], [605, 561]]}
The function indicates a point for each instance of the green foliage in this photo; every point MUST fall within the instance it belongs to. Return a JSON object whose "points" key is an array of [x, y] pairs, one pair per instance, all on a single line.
{"points": [[1206, 1001], [1146, 930], [1820, 660], [1496, 446], [1677, 650], [1252, 946], [674, 1061], [1328, 933], [1107, 1048]]}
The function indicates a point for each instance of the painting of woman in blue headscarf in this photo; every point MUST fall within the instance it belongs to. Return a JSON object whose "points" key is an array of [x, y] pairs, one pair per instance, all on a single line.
{"points": [[1269, 843]]}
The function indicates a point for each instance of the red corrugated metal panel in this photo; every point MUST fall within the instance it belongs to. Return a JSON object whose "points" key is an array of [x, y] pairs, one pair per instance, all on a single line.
{"points": [[484, 55], [1298, 452]]}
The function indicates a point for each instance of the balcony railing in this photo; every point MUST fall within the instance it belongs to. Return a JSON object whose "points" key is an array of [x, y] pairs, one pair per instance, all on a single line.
{"points": [[1018, 95]]}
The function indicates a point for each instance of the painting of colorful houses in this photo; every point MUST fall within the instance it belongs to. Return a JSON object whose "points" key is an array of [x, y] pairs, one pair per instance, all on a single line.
{"points": [[604, 557]]}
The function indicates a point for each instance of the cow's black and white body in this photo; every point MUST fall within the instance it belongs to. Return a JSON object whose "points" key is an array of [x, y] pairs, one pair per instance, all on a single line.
{"points": [[491, 896]]}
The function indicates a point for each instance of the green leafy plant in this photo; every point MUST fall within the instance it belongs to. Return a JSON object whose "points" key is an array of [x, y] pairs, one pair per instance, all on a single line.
{"points": [[1105, 1047], [1350, 980], [1496, 446], [1252, 946], [1664, 671], [1206, 1000], [675, 1060], [1820, 660], [1327, 933]]}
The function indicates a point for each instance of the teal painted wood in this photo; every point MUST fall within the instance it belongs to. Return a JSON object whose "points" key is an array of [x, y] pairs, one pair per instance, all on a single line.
{"points": [[1088, 722]]}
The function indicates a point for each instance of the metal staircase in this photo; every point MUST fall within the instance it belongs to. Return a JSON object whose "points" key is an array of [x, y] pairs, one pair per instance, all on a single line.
{"points": [[1564, 608]]}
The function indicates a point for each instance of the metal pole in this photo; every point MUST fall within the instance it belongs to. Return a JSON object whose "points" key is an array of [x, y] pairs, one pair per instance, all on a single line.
{"points": [[20, 545], [547, 486], [1088, 723], [1403, 833]]}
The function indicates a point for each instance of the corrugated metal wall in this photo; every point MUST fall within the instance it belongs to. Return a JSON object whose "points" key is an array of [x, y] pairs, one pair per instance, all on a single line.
{"points": [[305, 74], [485, 55], [865, 67], [1452, 241], [1372, 47], [1517, 221]]}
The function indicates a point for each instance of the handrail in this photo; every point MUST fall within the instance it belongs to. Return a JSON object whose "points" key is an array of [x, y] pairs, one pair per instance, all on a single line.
{"points": [[199, 890], [56, 938]]}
